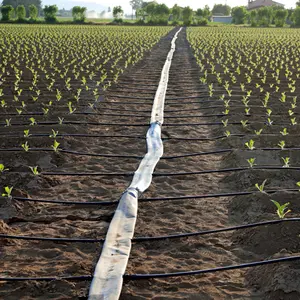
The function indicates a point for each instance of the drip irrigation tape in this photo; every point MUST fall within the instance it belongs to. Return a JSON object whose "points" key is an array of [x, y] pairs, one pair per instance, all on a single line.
{"points": [[151, 238], [82, 123], [191, 197], [226, 170], [162, 275], [213, 270]]}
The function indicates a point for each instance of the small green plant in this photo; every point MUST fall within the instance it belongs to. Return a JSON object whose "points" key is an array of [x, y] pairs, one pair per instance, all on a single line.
{"points": [[251, 162], [225, 123], [7, 122], [34, 170], [60, 120], [258, 132], [32, 121], [261, 187], [269, 122], [283, 97], [293, 121], [26, 133], [298, 184], [282, 210], [286, 161], [226, 112], [45, 111], [281, 144], [25, 146], [54, 134], [250, 145], [55, 146], [2, 168], [7, 192], [284, 131], [227, 133], [71, 109], [269, 112], [244, 123], [247, 111]]}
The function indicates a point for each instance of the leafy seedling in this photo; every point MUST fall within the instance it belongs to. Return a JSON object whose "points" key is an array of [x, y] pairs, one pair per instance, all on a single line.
{"points": [[284, 131], [2, 168], [7, 192], [55, 146], [25, 146], [250, 145], [34, 170], [282, 210], [251, 162], [54, 134], [258, 132], [261, 187], [281, 144], [286, 161]]}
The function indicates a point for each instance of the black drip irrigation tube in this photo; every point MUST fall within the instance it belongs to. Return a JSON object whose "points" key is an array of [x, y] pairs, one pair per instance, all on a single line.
{"points": [[161, 275], [151, 238], [213, 270], [177, 198]]}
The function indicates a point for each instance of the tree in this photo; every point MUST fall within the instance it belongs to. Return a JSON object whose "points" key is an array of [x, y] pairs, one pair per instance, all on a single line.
{"points": [[78, 14], [21, 12], [187, 16], [264, 16], [239, 14], [297, 3], [280, 16], [253, 18], [26, 3], [135, 4], [157, 13], [118, 12], [176, 13], [206, 12], [220, 9], [7, 12], [33, 12], [50, 12], [296, 16]]}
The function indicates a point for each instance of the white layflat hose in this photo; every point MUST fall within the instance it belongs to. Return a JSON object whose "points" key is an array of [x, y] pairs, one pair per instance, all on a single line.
{"points": [[108, 276]]}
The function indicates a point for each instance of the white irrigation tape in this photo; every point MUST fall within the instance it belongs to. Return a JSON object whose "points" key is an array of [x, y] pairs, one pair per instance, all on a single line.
{"points": [[108, 276]]}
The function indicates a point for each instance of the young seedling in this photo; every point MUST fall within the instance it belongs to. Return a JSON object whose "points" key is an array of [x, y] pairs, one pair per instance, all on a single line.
{"points": [[298, 184], [225, 123], [258, 132], [286, 161], [281, 144], [55, 146], [227, 133], [251, 162], [32, 121], [269, 112], [60, 120], [2, 168], [226, 112], [244, 123], [26, 133], [7, 122], [284, 131], [54, 134], [250, 145], [71, 109], [247, 111], [290, 112], [7, 192], [282, 210], [293, 121], [19, 111], [283, 97], [269, 122], [261, 187], [45, 111], [25, 146], [34, 170]]}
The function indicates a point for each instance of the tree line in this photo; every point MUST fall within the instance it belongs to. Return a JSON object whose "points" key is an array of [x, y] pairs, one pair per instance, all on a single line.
{"points": [[155, 13], [266, 16]]}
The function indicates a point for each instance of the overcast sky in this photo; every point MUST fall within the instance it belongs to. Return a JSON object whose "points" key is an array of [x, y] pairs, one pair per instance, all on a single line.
{"points": [[92, 4]]}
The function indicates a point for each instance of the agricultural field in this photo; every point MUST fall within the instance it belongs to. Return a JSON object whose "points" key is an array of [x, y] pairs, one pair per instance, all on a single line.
{"points": [[76, 103]]}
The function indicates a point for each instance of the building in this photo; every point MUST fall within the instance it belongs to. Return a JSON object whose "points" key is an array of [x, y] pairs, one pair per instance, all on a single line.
{"points": [[254, 4], [222, 19]]}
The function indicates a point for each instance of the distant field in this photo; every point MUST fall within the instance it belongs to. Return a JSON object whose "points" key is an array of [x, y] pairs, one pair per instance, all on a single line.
{"points": [[97, 20]]}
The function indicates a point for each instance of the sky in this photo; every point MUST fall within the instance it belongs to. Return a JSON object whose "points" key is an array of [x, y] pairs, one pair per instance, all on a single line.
{"points": [[100, 5]]}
